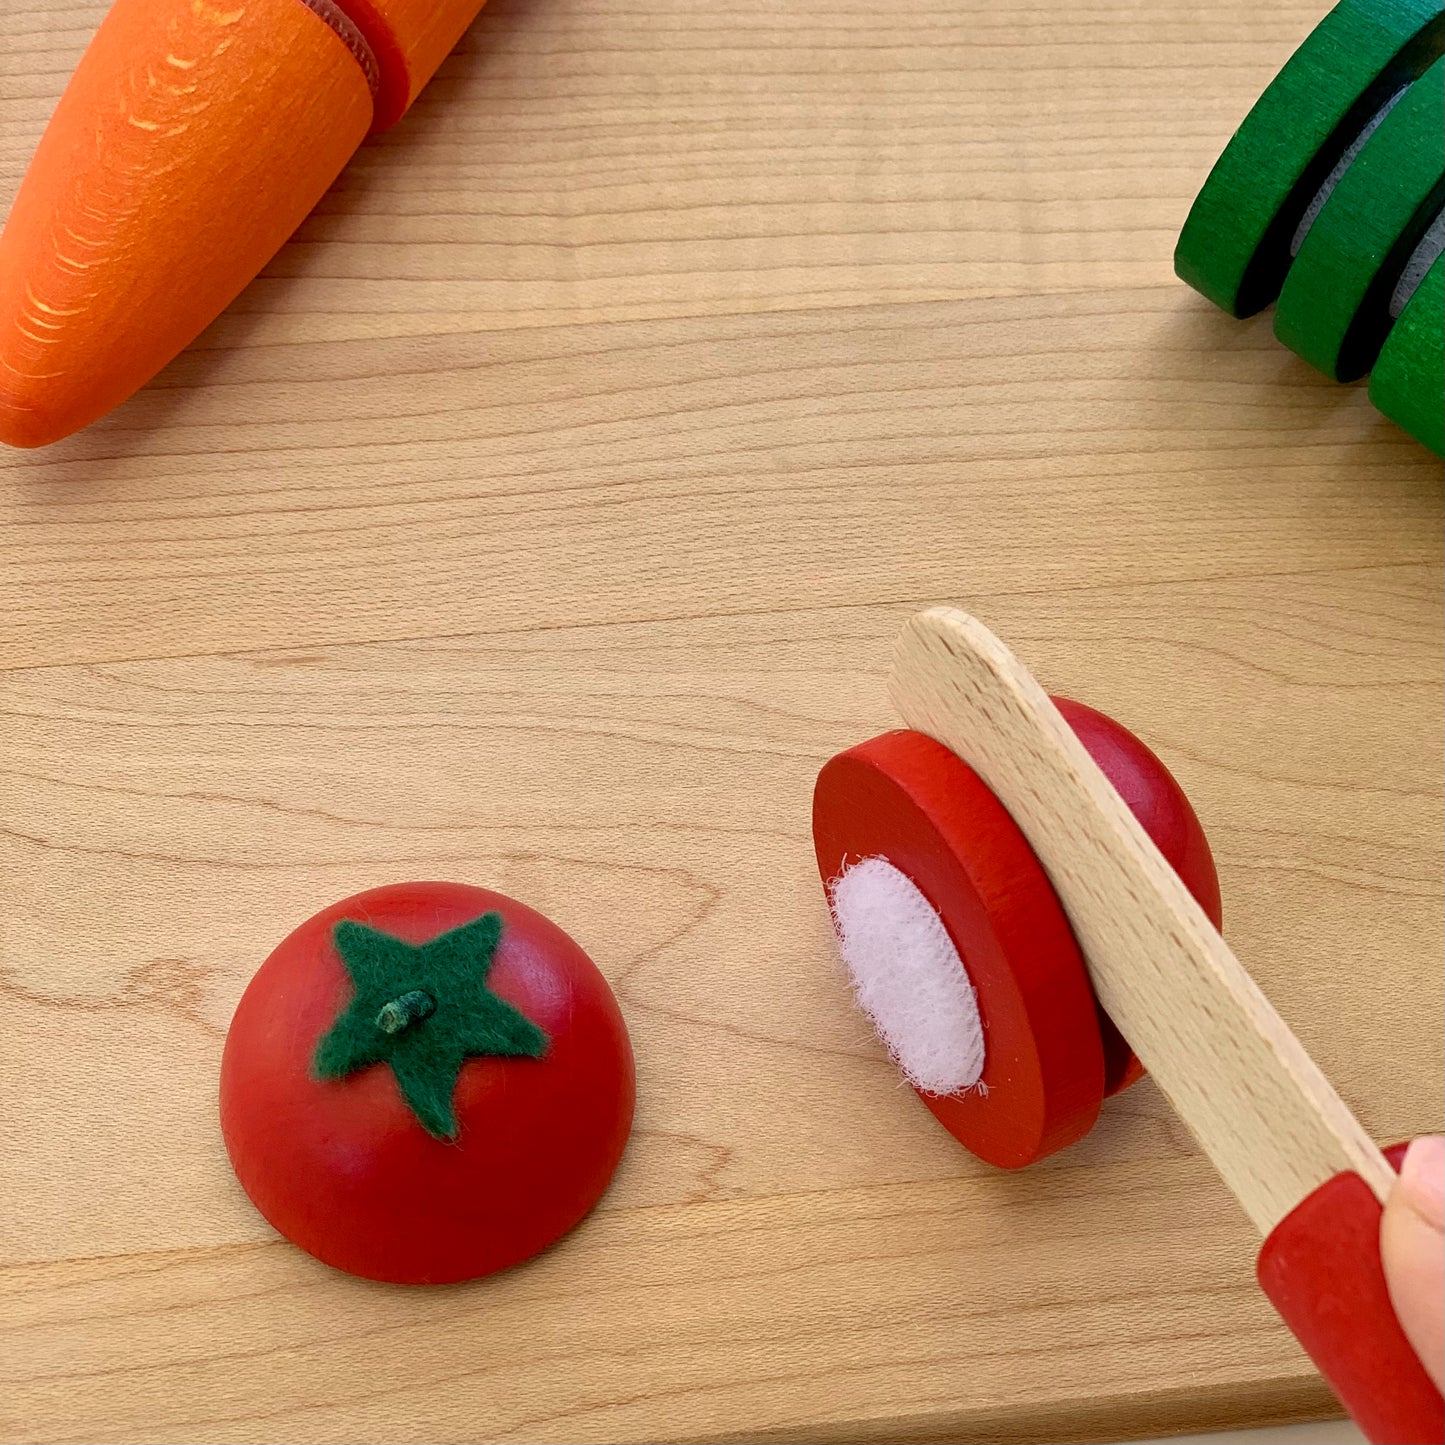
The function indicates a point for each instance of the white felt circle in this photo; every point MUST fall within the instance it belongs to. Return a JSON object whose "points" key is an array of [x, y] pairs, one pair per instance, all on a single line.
{"points": [[907, 976]]}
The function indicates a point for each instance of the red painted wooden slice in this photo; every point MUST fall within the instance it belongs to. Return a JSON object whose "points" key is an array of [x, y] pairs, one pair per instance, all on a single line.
{"points": [[909, 799], [1051, 1053]]}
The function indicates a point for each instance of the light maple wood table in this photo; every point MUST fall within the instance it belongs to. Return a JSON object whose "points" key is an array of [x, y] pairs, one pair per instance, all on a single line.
{"points": [[542, 518]]}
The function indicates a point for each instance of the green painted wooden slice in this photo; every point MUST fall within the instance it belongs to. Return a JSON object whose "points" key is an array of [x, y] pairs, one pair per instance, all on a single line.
{"points": [[1334, 309], [1235, 245], [1408, 382]]}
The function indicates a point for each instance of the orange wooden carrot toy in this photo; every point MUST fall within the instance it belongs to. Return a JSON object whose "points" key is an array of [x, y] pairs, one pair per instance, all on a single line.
{"points": [[193, 138]]}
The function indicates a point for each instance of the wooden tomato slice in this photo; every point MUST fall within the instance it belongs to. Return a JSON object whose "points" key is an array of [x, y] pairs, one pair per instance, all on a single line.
{"points": [[426, 1082], [1051, 1053], [908, 799]]}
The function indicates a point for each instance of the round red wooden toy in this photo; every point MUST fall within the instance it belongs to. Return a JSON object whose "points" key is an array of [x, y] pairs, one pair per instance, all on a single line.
{"points": [[426, 1083], [958, 946]]}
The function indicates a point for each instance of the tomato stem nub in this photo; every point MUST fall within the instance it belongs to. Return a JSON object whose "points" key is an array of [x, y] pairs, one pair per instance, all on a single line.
{"points": [[407, 1009], [468, 1019]]}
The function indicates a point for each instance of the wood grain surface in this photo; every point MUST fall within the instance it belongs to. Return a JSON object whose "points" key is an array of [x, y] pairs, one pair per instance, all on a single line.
{"points": [[543, 518]]}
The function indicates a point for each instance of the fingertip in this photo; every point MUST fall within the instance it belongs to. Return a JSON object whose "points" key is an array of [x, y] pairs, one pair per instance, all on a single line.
{"points": [[1422, 1180], [1412, 1250]]}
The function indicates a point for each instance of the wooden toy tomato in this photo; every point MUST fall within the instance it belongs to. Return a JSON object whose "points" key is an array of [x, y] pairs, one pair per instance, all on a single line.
{"points": [[425, 1083], [958, 948]]}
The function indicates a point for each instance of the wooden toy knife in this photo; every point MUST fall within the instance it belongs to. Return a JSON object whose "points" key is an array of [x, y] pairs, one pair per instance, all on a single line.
{"points": [[1282, 1139]]}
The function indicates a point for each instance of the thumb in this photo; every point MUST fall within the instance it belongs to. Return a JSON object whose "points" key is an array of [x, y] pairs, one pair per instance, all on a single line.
{"points": [[1412, 1248]]}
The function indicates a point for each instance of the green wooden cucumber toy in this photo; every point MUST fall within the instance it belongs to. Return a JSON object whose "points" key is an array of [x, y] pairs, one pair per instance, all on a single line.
{"points": [[1329, 199]]}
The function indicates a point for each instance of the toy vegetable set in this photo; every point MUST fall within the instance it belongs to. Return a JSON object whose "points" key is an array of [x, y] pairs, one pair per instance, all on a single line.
{"points": [[429, 1082]]}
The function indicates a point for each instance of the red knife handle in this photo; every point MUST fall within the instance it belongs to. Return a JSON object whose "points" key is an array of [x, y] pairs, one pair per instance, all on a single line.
{"points": [[1320, 1267]]}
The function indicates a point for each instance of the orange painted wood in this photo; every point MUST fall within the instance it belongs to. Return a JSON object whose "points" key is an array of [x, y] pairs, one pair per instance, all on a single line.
{"points": [[411, 38], [193, 138]]}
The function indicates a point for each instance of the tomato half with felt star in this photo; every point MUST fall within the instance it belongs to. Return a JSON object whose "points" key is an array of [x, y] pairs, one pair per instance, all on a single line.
{"points": [[426, 1083]]}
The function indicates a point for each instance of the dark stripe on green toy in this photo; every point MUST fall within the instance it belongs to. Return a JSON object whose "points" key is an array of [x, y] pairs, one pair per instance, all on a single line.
{"points": [[1408, 382], [1317, 204], [1421, 260], [1235, 245], [1334, 310]]}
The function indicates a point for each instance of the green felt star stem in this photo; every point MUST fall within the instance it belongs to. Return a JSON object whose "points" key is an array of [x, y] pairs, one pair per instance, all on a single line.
{"points": [[424, 1009]]}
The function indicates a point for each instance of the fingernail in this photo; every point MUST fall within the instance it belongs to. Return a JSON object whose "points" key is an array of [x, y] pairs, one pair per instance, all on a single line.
{"points": [[1422, 1177]]}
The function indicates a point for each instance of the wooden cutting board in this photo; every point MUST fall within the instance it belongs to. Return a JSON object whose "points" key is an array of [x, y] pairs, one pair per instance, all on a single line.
{"points": [[542, 519]]}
